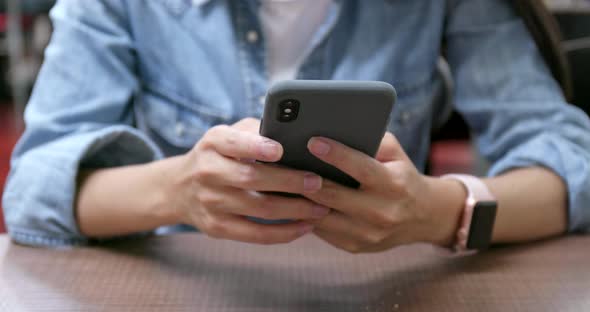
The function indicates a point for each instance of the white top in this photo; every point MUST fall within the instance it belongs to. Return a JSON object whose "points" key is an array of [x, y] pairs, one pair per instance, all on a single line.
{"points": [[289, 27]]}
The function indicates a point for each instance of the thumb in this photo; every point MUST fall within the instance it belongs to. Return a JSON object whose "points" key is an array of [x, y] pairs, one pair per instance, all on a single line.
{"points": [[248, 125], [390, 149]]}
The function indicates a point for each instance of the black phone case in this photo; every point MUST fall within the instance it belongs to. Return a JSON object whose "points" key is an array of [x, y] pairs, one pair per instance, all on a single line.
{"points": [[355, 113]]}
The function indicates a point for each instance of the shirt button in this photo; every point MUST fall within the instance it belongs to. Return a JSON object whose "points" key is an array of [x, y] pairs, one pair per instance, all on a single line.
{"points": [[252, 36], [405, 117], [179, 129]]}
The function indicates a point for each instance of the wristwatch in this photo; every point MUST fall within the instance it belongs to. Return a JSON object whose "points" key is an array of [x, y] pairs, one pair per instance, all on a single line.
{"points": [[479, 214]]}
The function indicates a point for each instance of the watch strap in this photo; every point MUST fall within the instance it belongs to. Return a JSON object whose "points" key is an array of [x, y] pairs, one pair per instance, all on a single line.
{"points": [[479, 214]]}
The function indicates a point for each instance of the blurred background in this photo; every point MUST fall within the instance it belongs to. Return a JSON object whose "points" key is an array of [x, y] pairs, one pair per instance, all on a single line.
{"points": [[25, 30]]}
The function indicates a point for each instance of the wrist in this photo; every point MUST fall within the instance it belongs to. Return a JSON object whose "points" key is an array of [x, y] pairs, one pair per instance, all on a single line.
{"points": [[446, 202], [165, 176], [123, 200]]}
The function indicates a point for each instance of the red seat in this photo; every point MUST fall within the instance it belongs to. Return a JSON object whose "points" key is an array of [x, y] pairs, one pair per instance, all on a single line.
{"points": [[8, 137], [7, 141], [452, 156]]}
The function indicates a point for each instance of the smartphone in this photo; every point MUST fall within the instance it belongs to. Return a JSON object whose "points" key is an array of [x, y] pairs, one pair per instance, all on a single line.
{"points": [[355, 113]]}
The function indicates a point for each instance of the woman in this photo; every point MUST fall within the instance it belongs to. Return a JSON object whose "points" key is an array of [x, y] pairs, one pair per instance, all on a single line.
{"points": [[138, 122]]}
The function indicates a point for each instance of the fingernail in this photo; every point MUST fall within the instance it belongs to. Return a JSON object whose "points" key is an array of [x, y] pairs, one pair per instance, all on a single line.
{"points": [[319, 147], [269, 149], [305, 229], [311, 182], [319, 211]]}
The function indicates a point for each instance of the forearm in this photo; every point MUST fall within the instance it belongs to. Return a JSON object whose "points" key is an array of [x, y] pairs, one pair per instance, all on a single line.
{"points": [[532, 205], [124, 200]]}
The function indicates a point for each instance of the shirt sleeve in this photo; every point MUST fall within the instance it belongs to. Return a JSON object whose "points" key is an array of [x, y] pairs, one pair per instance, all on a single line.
{"points": [[80, 115], [514, 107]]}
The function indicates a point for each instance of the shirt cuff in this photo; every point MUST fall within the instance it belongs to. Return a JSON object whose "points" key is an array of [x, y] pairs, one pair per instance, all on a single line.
{"points": [[568, 160], [40, 192]]}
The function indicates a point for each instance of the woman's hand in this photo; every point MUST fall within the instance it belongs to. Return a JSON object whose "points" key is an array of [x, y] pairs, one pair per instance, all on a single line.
{"points": [[394, 205], [218, 185]]}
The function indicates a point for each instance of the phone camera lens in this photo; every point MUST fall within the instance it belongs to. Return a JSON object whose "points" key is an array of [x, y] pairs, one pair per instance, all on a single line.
{"points": [[288, 110]]}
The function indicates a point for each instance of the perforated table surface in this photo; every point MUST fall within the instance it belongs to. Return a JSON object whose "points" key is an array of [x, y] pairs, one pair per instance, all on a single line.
{"points": [[190, 272]]}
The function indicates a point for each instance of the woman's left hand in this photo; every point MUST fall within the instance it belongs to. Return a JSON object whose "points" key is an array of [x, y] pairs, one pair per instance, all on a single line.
{"points": [[394, 204]]}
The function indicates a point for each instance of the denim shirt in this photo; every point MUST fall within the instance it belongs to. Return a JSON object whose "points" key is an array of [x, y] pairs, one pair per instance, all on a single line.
{"points": [[129, 82]]}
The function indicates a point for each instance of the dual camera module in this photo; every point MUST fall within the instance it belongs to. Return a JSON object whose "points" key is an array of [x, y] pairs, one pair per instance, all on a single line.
{"points": [[288, 110]]}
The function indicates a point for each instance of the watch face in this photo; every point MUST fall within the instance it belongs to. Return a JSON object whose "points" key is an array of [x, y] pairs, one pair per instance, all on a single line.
{"points": [[482, 225]]}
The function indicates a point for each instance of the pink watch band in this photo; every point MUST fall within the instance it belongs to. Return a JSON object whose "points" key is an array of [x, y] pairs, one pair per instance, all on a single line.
{"points": [[477, 193]]}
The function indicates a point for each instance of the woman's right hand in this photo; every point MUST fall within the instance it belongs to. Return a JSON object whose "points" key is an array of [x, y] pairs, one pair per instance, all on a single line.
{"points": [[218, 184]]}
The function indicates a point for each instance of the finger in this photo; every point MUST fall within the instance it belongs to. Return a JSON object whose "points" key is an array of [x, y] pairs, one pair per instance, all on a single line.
{"points": [[365, 169], [264, 206], [356, 203], [351, 229], [258, 176], [338, 241], [251, 125], [240, 229], [235, 143], [353, 246]]}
